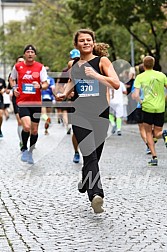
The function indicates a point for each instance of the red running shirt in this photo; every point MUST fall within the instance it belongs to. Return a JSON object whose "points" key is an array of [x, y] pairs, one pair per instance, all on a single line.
{"points": [[25, 75]]}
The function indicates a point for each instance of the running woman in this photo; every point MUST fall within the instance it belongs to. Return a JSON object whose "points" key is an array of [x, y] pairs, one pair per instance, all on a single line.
{"points": [[90, 77], [100, 49], [32, 79]]}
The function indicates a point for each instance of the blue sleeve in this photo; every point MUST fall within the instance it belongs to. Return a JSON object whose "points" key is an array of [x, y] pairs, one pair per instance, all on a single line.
{"points": [[52, 82], [132, 88]]}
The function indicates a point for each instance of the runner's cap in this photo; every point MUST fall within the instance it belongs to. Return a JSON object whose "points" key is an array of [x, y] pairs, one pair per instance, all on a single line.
{"points": [[74, 54], [30, 47]]}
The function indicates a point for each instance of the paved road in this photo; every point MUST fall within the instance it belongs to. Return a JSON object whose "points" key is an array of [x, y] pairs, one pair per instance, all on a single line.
{"points": [[41, 209]]}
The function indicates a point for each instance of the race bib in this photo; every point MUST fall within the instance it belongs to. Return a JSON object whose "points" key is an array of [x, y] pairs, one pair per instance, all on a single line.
{"points": [[28, 88], [46, 96], [86, 88]]}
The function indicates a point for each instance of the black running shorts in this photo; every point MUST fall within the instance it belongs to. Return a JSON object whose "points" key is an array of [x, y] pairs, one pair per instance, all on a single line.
{"points": [[156, 119], [33, 112]]}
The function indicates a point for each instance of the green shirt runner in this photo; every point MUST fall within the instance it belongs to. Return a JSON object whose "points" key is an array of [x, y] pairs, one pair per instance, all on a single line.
{"points": [[152, 82]]}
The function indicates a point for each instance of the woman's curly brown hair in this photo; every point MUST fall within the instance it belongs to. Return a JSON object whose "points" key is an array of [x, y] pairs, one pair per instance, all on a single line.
{"points": [[101, 49]]}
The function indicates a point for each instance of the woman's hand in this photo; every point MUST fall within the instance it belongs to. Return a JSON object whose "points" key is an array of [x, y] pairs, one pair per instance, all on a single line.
{"points": [[89, 71], [60, 97], [70, 95]]}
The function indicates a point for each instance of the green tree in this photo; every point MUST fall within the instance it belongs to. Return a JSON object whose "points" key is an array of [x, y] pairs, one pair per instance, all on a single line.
{"points": [[52, 32], [145, 20], [15, 37], [49, 27]]}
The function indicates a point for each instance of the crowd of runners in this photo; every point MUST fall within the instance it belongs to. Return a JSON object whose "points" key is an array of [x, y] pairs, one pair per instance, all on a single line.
{"points": [[87, 97]]}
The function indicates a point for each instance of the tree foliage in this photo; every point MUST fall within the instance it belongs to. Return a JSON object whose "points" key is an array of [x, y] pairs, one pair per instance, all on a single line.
{"points": [[145, 20], [49, 27]]}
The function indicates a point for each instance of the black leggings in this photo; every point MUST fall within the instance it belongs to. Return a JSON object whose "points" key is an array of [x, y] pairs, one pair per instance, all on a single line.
{"points": [[91, 150]]}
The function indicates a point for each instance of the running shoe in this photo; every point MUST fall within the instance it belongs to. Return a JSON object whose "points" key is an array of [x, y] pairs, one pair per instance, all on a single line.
{"points": [[164, 135], [24, 156], [30, 158], [97, 204], [60, 120], [68, 131], [119, 133], [76, 158], [148, 151], [114, 129], [155, 140], [153, 162]]}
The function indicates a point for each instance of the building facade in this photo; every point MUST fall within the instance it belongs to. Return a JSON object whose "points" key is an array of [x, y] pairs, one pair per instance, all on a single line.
{"points": [[12, 10]]}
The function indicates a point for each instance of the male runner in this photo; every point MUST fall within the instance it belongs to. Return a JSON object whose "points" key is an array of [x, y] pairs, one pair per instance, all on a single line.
{"points": [[32, 78]]}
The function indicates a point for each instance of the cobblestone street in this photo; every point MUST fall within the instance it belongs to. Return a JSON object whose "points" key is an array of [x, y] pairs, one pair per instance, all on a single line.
{"points": [[42, 210]]}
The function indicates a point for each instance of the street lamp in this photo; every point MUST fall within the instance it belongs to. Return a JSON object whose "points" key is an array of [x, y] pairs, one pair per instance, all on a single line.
{"points": [[132, 51]]}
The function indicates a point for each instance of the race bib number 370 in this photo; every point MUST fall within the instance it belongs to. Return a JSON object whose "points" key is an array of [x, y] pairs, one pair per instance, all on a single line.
{"points": [[28, 88], [86, 88]]}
